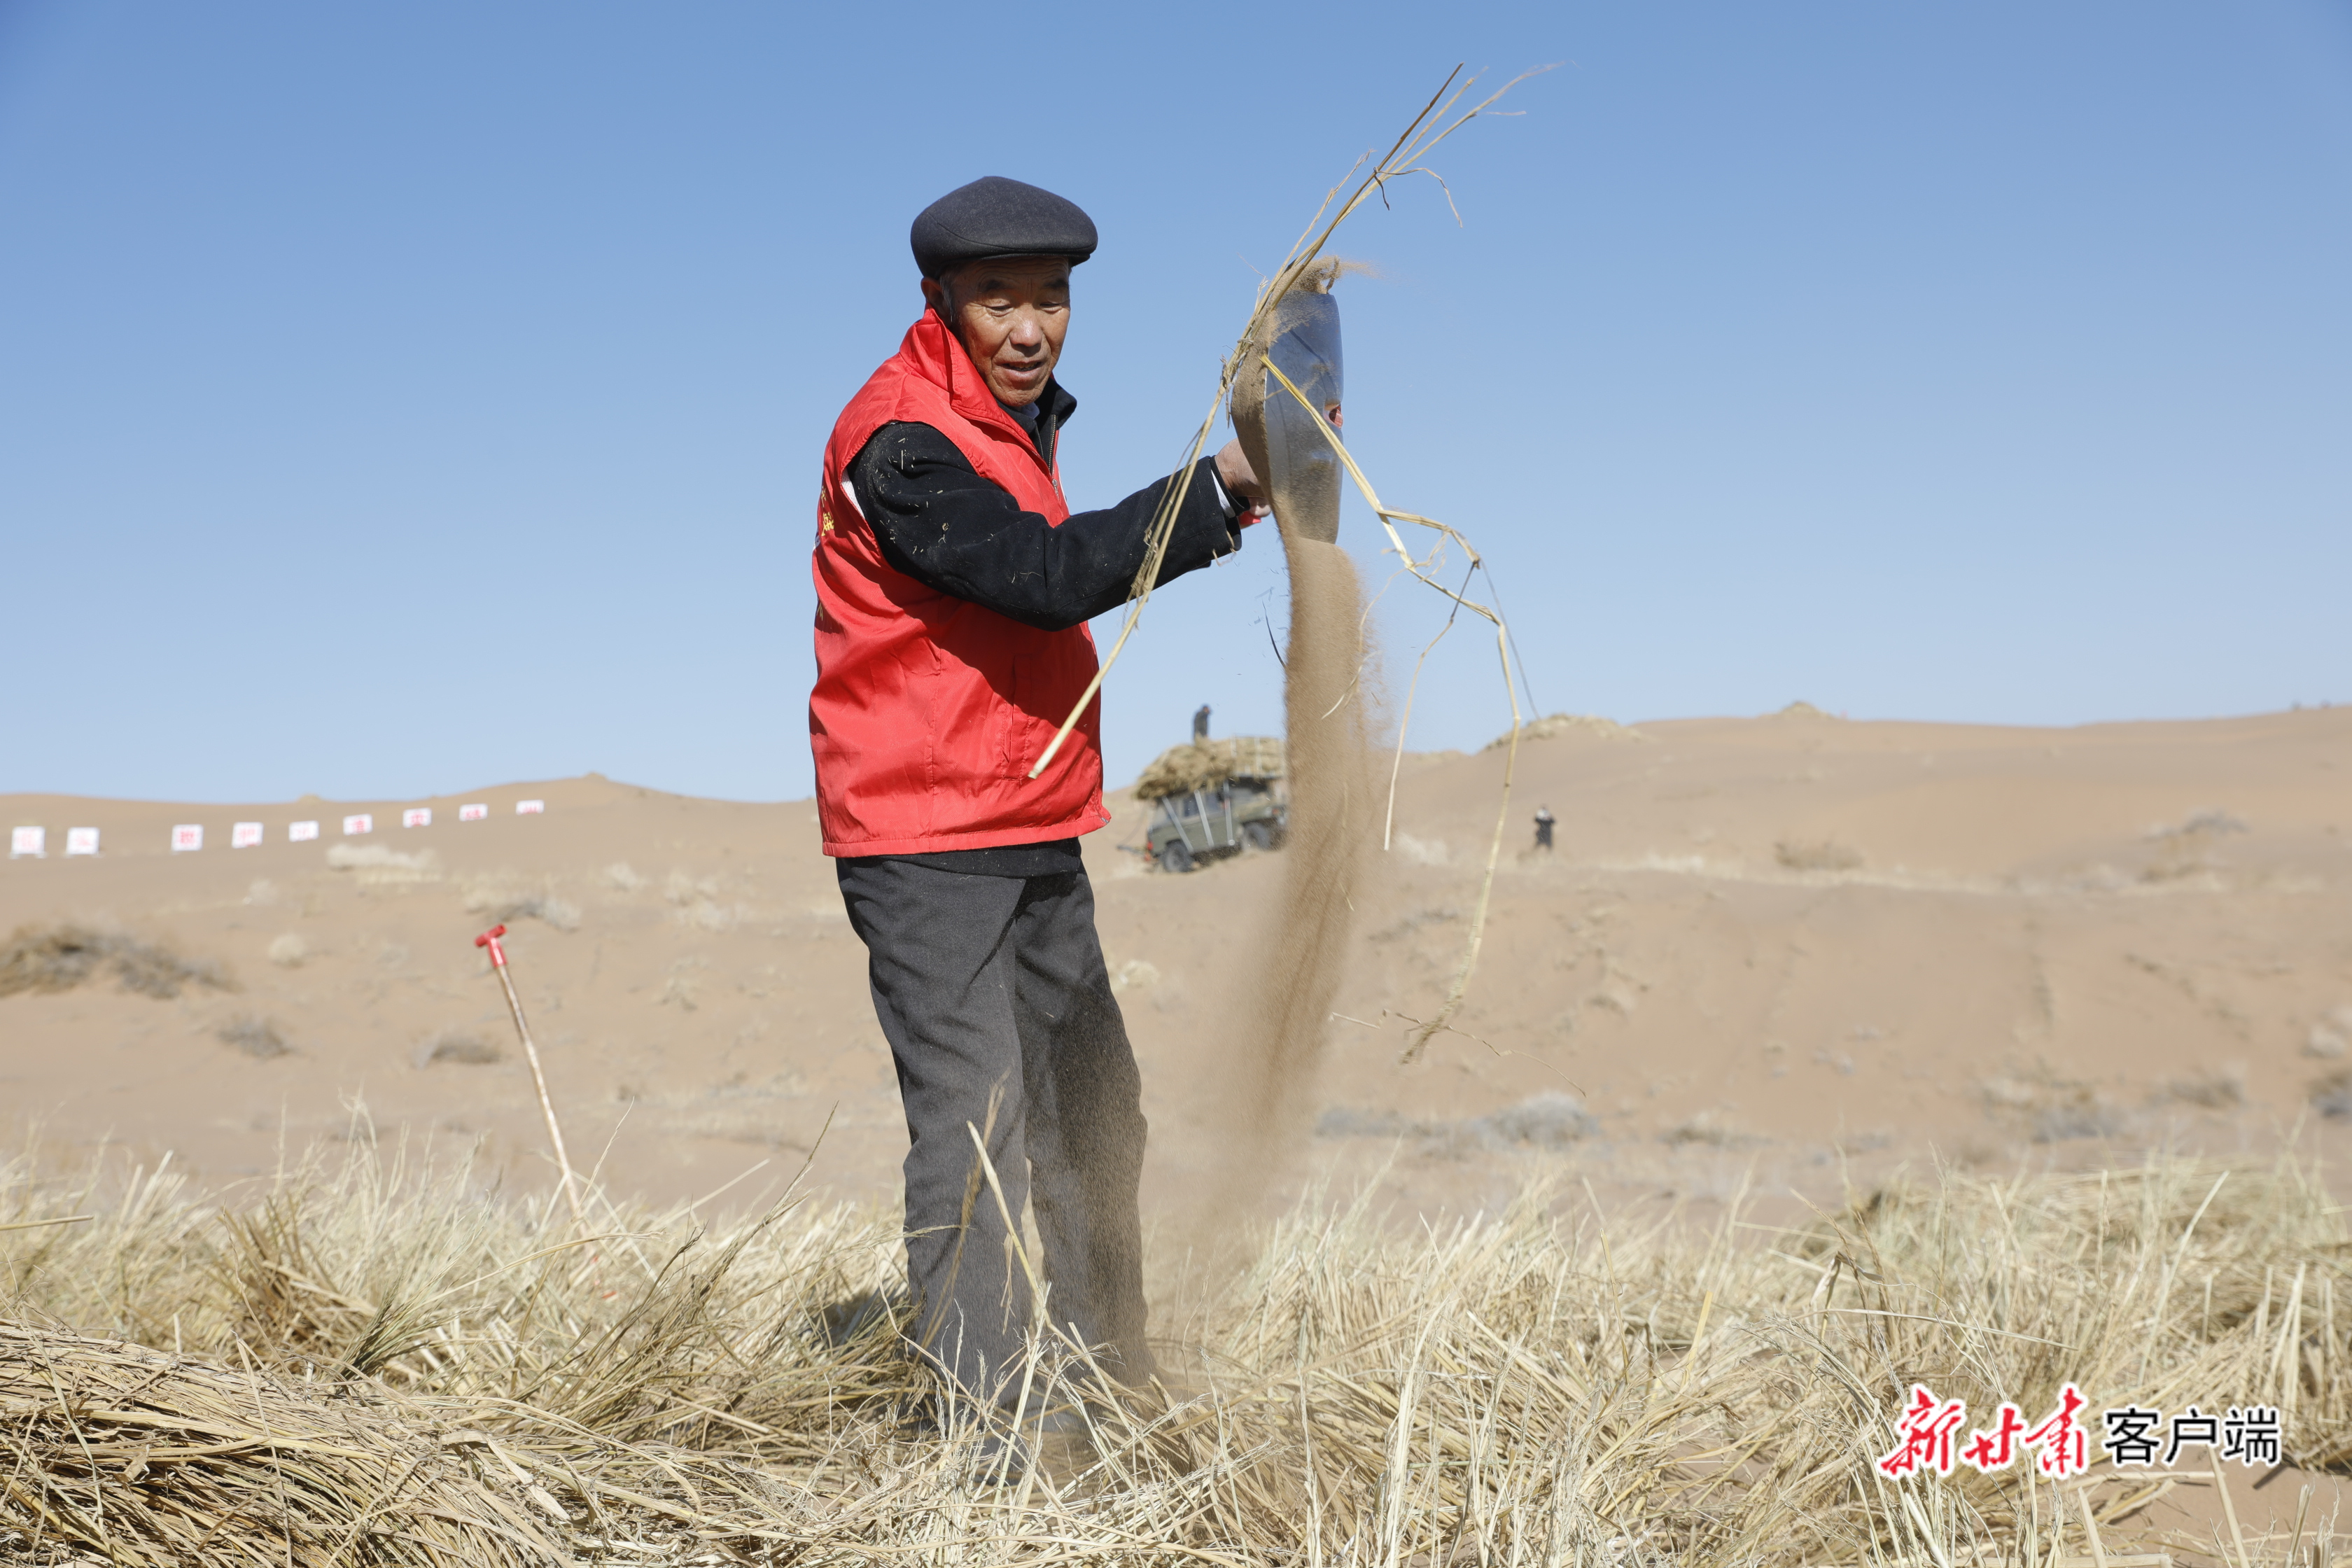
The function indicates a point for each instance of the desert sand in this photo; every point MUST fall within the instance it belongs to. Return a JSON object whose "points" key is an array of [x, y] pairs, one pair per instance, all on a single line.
{"points": [[1767, 952]]}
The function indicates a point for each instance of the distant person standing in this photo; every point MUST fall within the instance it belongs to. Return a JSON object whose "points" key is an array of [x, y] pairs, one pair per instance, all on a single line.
{"points": [[1544, 819], [1201, 725]]}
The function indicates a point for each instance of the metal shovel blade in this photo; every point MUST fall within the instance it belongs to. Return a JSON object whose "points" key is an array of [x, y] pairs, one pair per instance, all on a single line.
{"points": [[1302, 472]]}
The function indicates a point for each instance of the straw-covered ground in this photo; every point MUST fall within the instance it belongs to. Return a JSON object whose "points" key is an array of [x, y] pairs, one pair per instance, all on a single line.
{"points": [[362, 1362]]}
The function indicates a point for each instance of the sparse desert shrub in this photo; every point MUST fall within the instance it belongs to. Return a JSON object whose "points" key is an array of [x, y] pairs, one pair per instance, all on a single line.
{"points": [[2083, 1116], [290, 950], [255, 1035], [2332, 1096], [2186, 850], [457, 1048], [561, 914], [2211, 822], [2050, 1109], [377, 865], [505, 908], [1431, 1137], [1348, 1121], [1705, 1128], [682, 889], [2221, 1089], [619, 875], [704, 915], [1824, 855], [2331, 1037], [1550, 1119], [61, 956]]}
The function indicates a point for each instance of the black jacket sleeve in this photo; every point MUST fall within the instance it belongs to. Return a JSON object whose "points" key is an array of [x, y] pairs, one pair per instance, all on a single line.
{"points": [[943, 526]]}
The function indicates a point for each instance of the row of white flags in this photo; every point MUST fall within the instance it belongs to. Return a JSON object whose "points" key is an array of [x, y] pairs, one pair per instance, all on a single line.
{"points": [[34, 842]]}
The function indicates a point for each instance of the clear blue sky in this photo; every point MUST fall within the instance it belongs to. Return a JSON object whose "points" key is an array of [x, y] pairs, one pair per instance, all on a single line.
{"points": [[400, 398]]}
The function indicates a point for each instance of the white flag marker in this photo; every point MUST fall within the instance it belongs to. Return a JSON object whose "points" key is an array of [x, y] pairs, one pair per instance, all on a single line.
{"points": [[355, 826], [530, 807], [187, 836], [28, 841], [81, 840], [473, 813], [301, 831], [418, 817]]}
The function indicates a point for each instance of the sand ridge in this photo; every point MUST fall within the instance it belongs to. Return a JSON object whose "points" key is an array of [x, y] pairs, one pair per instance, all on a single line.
{"points": [[1770, 950]]}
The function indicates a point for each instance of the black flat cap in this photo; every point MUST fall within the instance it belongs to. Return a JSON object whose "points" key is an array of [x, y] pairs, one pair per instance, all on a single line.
{"points": [[997, 216]]}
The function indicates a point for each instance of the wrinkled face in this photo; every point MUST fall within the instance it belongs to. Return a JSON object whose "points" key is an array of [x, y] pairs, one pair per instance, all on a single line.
{"points": [[1011, 314]]}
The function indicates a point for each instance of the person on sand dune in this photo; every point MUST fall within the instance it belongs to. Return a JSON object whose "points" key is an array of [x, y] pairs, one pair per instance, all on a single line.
{"points": [[1544, 820], [954, 585]]}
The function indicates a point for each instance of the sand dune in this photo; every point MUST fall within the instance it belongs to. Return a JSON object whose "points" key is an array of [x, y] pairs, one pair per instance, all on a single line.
{"points": [[1765, 949]]}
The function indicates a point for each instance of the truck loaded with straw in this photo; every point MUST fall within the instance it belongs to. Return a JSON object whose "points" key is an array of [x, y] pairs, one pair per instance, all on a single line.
{"points": [[1214, 798]]}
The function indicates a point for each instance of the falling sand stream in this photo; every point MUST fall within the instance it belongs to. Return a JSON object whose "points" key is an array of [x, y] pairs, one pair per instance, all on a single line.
{"points": [[1274, 1042]]}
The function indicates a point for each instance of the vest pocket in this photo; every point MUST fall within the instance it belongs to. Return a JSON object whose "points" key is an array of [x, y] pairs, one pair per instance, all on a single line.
{"points": [[1047, 679], [1014, 724]]}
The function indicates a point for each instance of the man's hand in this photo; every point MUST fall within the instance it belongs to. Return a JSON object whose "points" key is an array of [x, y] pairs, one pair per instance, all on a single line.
{"points": [[1234, 473]]}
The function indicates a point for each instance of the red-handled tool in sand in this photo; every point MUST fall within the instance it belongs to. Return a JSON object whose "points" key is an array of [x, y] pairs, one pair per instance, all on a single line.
{"points": [[489, 938]]}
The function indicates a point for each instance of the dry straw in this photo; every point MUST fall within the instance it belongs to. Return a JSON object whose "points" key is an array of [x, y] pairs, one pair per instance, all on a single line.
{"points": [[1306, 268], [1436, 121], [367, 1365], [1205, 764]]}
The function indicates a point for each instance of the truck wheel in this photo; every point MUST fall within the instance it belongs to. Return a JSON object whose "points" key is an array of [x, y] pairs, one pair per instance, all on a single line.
{"points": [[1258, 835], [1176, 856]]}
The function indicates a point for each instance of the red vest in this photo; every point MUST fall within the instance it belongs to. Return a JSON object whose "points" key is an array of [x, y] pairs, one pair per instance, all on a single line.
{"points": [[928, 710]]}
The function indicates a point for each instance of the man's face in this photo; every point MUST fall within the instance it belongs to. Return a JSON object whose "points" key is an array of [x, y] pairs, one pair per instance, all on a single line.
{"points": [[1011, 314]]}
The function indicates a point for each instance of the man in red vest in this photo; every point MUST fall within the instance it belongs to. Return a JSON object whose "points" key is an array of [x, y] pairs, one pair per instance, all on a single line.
{"points": [[954, 586]]}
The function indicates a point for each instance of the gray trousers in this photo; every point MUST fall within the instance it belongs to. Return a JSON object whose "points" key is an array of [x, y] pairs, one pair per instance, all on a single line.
{"points": [[992, 993]]}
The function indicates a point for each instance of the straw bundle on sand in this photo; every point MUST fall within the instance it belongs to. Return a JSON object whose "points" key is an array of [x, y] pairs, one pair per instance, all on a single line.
{"points": [[398, 1371], [148, 1458], [1205, 764]]}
